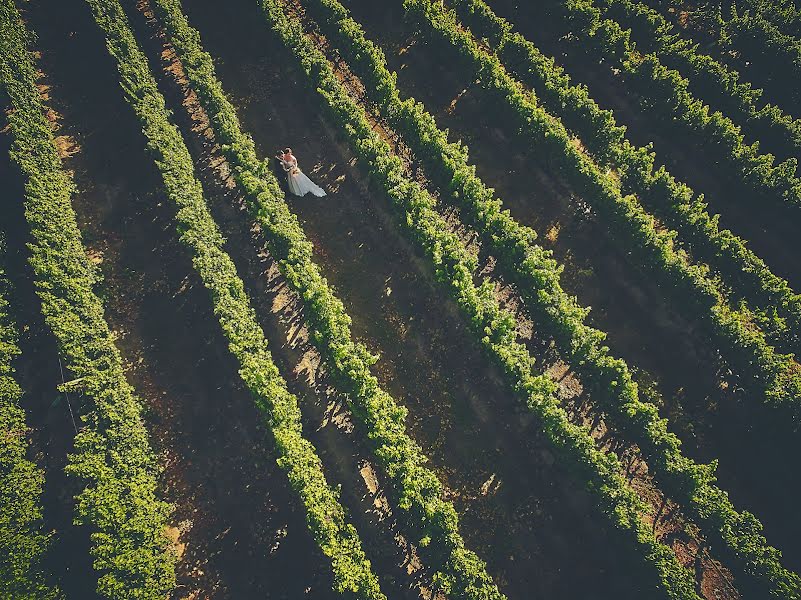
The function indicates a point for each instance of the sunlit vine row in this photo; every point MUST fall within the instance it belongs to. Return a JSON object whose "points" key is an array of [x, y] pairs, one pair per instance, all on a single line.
{"points": [[493, 326], [325, 516], [536, 275]]}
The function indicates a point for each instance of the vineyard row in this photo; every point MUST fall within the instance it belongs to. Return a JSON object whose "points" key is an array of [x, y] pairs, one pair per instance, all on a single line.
{"points": [[536, 276], [112, 456], [23, 540], [494, 327], [749, 34]]}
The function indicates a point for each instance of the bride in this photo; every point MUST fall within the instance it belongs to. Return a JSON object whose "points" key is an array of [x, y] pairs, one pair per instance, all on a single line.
{"points": [[299, 184]]}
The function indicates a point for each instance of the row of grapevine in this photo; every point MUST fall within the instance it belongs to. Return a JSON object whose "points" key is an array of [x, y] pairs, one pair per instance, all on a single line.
{"points": [[112, 456], [325, 516], [773, 375], [784, 14], [669, 99], [604, 138], [774, 56], [23, 540], [708, 78], [536, 276], [768, 55], [493, 327], [777, 306], [426, 518]]}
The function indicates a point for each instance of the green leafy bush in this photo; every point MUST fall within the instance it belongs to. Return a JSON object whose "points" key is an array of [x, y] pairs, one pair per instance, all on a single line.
{"points": [[493, 326], [120, 505], [23, 541], [325, 516]]}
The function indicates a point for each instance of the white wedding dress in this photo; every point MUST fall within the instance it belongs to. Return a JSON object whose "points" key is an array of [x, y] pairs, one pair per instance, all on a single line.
{"points": [[299, 184]]}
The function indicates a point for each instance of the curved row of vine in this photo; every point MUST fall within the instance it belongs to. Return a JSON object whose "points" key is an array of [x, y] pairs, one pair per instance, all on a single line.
{"points": [[776, 306], [428, 520], [774, 376], [536, 276], [119, 505], [325, 516], [709, 79], [493, 326]]}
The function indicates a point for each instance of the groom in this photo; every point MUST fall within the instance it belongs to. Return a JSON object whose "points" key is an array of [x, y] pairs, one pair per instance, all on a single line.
{"points": [[286, 159]]}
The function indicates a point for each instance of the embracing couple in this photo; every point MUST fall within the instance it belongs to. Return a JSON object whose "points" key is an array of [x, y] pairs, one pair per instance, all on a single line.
{"points": [[299, 184]]}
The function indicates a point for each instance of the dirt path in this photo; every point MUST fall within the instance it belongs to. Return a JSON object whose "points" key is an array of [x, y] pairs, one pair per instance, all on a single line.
{"points": [[642, 328], [238, 525]]}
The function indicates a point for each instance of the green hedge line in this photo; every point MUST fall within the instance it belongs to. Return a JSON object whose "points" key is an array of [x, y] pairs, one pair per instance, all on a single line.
{"points": [[668, 98], [772, 376], [709, 79], [23, 540], [425, 515], [417, 487], [749, 36], [536, 275], [777, 308], [325, 516], [112, 455], [493, 326]]}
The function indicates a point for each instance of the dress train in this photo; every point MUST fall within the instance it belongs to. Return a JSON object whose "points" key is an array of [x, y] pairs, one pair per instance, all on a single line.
{"points": [[300, 184]]}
